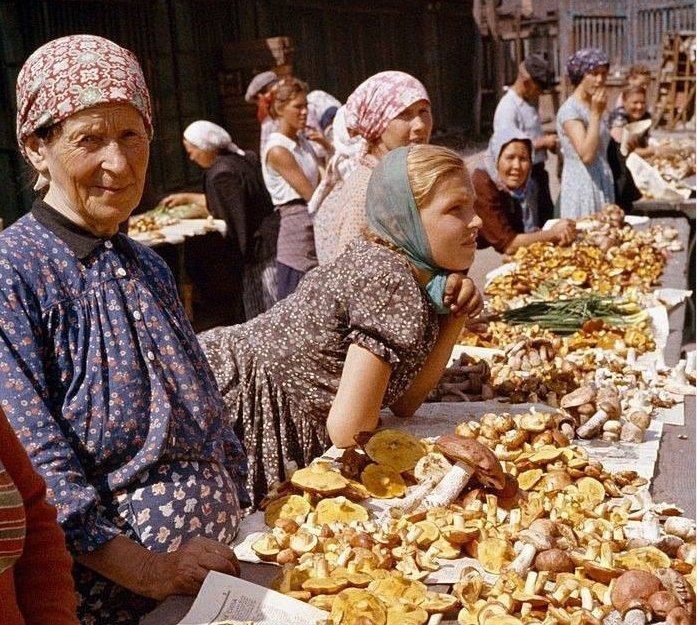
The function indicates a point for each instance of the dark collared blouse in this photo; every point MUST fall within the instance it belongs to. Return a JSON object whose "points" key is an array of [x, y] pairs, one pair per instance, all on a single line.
{"points": [[103, 379]]}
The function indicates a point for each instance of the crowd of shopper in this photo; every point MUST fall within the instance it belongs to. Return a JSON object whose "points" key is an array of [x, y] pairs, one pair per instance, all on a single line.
{"points": [[152, 440]]}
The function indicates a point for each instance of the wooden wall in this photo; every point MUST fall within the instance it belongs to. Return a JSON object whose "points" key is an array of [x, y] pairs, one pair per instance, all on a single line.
{"points": [[338, 43]]}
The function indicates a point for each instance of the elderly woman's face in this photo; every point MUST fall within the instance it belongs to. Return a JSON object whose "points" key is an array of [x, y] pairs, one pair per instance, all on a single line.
{"points": [[96, 166], [514, 164], [411, 127], [203, 158]]}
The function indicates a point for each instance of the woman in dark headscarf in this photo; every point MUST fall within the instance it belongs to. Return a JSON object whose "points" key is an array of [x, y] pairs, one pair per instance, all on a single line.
{"points": [[500, 189], [586, 181]]}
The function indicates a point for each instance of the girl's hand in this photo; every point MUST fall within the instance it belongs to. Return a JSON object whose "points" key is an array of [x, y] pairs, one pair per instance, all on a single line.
{"points": [[599, 101], [462, 296]]}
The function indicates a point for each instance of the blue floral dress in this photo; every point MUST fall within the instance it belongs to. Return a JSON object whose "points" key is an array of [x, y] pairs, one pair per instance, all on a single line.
{"points": [[103, 380], [585, 189]]}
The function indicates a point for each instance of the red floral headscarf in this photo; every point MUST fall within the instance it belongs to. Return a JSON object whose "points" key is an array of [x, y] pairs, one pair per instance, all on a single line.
{"points": [[378, 100], [74, 73]]}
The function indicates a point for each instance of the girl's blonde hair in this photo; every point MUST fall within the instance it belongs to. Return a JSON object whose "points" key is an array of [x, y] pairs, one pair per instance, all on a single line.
{"points": [[283, 92], [428, 165]]}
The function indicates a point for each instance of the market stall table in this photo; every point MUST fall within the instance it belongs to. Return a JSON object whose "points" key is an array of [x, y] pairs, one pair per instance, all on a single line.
{"points": [[674, 478]]}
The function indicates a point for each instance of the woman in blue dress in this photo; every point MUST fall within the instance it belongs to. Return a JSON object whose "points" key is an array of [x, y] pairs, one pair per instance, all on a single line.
{"points": [[586, 180]]}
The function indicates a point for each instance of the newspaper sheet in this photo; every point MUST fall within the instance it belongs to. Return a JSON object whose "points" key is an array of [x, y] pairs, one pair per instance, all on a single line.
{"points": [[226, 600]]}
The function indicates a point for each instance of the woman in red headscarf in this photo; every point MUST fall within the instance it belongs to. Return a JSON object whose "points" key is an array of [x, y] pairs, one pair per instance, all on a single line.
{"points": [[389, 110]]}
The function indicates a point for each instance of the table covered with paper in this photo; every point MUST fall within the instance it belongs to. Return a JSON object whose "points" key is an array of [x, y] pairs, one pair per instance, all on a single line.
{"points": [[520, 493]]}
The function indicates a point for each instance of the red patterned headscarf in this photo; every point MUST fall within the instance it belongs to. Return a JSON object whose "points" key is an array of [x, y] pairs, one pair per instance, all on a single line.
{"points": [[378, 100], [73, 73]]}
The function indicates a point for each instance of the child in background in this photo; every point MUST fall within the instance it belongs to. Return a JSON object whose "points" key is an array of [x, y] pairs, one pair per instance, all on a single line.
{"points": [[638, 76]]}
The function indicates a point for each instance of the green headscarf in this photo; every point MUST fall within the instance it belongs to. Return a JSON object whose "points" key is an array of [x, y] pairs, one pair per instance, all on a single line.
{"points": [[393, 215]]}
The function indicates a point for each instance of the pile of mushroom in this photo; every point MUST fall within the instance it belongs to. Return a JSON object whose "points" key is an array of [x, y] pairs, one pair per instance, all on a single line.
{"points": [[597, 414], [467, 379], [551, 530]]}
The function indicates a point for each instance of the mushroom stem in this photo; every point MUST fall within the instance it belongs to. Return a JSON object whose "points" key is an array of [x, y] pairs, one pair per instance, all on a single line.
{"points": [[635, 616], [523, 561], [410, 503], [591, 427], [450, 486]]}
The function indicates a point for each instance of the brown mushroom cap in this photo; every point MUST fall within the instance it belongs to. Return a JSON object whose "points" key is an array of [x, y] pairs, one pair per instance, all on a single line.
{"points": [[554, 561], [470, 451], [662, 602], [678, 616], [582, 395], [634, 585], [637, 604], [599, 573]]}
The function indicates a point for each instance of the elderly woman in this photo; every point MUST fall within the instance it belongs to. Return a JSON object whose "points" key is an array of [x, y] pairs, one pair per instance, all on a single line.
{"points": [[103, 379], [234, 190], [586, 180], [373, 328], [501, 198], [388, 110]]}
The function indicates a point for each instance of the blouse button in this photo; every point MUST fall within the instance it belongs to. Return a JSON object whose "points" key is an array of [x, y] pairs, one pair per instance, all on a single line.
{"points": [[108, 245], [121, 272], [150, 356], [136, 315]]}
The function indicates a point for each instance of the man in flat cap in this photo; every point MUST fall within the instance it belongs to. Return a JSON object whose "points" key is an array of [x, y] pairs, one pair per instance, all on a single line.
{"points": [[518, 109], [257, 91]]}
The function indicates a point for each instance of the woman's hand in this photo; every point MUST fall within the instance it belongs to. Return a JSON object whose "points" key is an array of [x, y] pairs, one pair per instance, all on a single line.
{"points": [[599, 101], [462, 296], [564, 232], [182, 572], [318, 137], [175, 199]]}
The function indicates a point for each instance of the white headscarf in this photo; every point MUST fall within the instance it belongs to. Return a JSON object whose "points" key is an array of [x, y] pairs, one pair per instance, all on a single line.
{"points": [[210, 137]]}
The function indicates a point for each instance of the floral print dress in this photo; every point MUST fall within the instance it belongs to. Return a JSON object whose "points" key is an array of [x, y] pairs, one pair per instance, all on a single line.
{"points": [[585, 188], [279, 373], [105, 384]]}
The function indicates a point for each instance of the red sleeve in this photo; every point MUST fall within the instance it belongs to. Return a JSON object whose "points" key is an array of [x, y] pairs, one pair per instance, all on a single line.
{"points": [[490, 205], [45, 556]]}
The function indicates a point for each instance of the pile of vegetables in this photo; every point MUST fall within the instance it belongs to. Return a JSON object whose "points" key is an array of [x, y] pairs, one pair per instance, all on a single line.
{"points": [[578, 313]]}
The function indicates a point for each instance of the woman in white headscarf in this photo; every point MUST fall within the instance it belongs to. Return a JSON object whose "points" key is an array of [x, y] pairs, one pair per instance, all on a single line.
{"points": [[234, 190]]}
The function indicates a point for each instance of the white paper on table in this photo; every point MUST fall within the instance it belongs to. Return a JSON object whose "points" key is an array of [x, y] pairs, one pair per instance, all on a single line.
{"points": [[501, 270], [675, 415], [436, 418], [230, 600], [587, 224], [649, 180], [661, 329], [633, 129], [483, 353], [243, 549], [671, 297]]}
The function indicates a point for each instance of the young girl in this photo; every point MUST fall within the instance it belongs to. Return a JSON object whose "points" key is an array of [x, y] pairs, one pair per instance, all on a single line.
{"points": [[586, 180], [291, 173], [373, 328]]}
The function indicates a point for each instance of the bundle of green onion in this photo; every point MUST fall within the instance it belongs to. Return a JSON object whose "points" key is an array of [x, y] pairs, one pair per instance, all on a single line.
{"points": [[570, 315]]}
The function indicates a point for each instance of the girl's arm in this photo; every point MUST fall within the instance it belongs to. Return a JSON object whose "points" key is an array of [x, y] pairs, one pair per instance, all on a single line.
{"points": [[356, 407], [282, 161], [465, 302], [433, 367]]}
